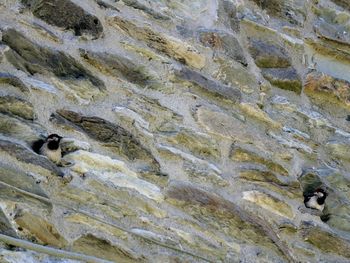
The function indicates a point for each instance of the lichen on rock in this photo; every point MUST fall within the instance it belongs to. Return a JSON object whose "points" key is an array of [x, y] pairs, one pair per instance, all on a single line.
{"points": [[192, 130]]}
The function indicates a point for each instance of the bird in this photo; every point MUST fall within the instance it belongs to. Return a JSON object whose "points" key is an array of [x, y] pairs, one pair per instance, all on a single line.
{"points": [[315, 199], [50, 147]]}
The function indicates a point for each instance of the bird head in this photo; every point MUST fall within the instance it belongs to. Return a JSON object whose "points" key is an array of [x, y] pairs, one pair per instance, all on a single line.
{"points": [[53, 138], [319, 192]]}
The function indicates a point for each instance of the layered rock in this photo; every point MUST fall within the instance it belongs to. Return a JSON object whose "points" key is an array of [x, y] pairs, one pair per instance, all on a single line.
{"points": [[199, 91], [66, 14], [276, 65], [32, 58]]}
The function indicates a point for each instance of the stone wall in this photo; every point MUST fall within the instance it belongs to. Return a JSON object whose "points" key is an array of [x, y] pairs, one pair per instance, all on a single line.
{"points": [[192, 129]]}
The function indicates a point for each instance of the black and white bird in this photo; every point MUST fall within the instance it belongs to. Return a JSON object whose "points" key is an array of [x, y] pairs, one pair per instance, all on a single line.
{"points": [[50, 147], [316, 199]]}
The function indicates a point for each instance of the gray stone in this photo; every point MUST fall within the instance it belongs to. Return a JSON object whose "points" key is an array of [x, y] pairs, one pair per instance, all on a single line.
{"points": [[267, 55], [20, 129], [228, 13], [117, 65], [189, 197], [23, 154], [246, 154], [17, 106], [169, 46], [6, 78], [208, 84], [92, 245], [45, 32], [137, 5], [325, 241], [11, 177], [289, 10], [5, 226], [32, 58], [342, 3], [66, 14], [223, 41], [334, 32], [104, 4], [121, 140], [339, 149], [284, 78]]}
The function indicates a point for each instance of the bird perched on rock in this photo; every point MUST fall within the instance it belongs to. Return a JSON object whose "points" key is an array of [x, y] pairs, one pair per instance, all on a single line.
{"points": [[50, 147], [316, 199]]}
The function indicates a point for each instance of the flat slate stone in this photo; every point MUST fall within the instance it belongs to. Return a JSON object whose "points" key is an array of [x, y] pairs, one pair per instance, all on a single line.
{"points": [[19, 179], [32, 58], [23, 154], [284, 78], [228, 92], [137, 5], [117, 65], [267, 55], [66, 14], [326, 90], [225, 42], [12, 80], [17, 106], [116, 136]]}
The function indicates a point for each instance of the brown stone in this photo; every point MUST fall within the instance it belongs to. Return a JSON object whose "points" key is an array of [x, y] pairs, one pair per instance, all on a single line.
{"points": [[324, 89], [325, 241], [42, 230], [92, 245], [169, 46]]}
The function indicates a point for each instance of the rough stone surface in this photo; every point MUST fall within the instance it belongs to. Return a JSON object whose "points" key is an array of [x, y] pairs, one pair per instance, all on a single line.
{"points": [[172, 47], [40, 229], [287, 79], [268, 55], [6, 78], [210, 85], [323, 89], [118, 138], [153, 13], [221, 41], [342, 3], [16, 106], [66, 14], [118, 66], [241, 106], [25, 155], [291, 11], [275, 65], [32, 58]]}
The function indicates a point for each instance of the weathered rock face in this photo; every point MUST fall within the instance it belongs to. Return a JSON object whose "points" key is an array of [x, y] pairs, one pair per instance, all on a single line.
{"points": [[210, 85], [16, 106], [66, 14], [115, 65], [115, 136], [192, 130], [324, 89], [168, 45], [275, 65], [31, 58], [9, 79], [227, 43]]}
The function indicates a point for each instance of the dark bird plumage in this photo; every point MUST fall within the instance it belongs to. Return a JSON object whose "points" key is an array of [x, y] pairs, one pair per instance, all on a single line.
{"points": [[316, 199], [50, 147], [36, 146]]}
